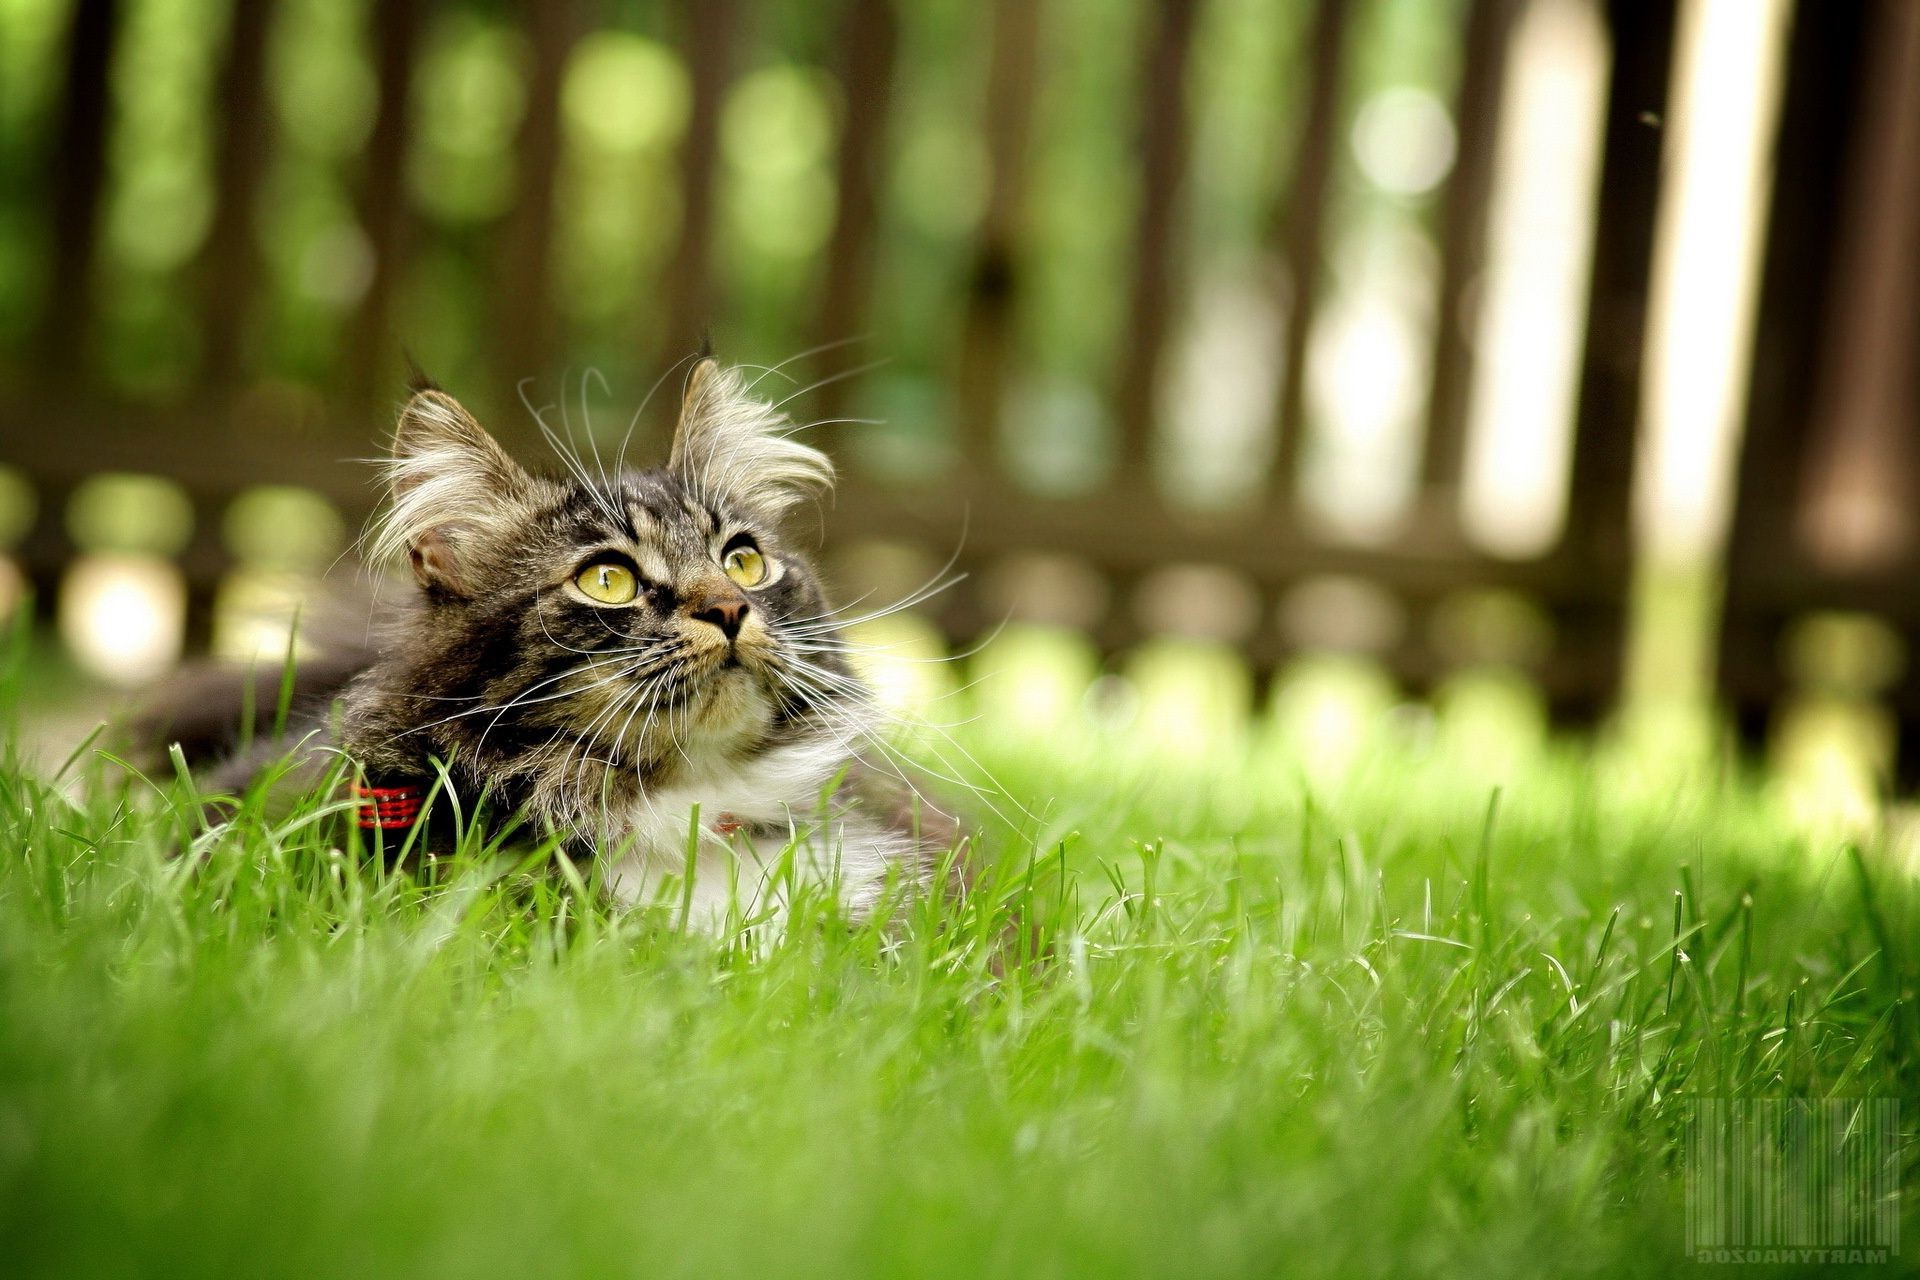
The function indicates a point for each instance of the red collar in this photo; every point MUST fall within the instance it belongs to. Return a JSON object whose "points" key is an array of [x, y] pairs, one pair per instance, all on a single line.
{"points": [[397, 808], [388, 808]]}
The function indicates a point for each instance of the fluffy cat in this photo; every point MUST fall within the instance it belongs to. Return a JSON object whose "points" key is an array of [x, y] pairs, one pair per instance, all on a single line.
{"points": [[603, 654]]}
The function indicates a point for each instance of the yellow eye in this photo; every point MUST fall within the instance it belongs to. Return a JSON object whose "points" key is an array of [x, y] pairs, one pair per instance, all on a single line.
{"points": [[746, 566], [607, 582]]}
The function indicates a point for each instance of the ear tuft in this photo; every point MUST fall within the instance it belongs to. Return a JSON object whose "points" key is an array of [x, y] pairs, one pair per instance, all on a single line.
{"points": [[456, 495], [418, 379], [735, 445]]}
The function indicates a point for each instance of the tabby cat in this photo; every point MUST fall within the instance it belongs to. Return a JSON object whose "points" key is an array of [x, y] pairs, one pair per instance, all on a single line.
{"points": [[608, 655]]}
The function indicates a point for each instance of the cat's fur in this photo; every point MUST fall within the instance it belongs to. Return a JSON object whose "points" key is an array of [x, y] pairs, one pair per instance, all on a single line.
{"points": [[609, 724]]}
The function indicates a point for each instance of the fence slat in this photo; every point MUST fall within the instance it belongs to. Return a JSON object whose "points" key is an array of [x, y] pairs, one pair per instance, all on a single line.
{"points": [[710, 36], [1299, 228], [382, 199], [1821, 277], [1596, 548], [1859, 516], [1163, 144], [1610, 377], [1463, 250], [524, 324], [992, 298], [229, 267], [869, 40], [1811, 191], [77, 163]]}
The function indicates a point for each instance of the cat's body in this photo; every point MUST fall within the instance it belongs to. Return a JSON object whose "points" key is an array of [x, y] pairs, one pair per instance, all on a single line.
{"points": [[635, 661], [751, 813]]}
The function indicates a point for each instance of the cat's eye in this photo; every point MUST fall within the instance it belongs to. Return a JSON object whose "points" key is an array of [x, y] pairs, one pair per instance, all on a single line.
{"points": [[607, 581], [745, 565]]}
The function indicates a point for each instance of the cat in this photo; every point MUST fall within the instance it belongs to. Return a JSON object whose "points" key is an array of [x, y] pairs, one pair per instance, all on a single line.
{"points": [[638, 664]]}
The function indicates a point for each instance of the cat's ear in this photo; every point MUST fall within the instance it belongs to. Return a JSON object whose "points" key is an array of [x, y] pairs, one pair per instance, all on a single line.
{"points": [[456, 495], [740, 447]]}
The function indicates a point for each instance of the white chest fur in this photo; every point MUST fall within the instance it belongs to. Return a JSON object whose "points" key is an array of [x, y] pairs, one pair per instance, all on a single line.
{"points": [[762, 827]]}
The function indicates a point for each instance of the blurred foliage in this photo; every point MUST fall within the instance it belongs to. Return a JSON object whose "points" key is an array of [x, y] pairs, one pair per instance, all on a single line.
{"points": [[471, 95], [31, 34], [130, 514], [159, 198], [625, 103], [278, 527], [324, 96]]}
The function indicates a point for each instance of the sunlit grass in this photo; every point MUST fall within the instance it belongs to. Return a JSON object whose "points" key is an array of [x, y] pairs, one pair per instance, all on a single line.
{"points": [[1263, 1015]]}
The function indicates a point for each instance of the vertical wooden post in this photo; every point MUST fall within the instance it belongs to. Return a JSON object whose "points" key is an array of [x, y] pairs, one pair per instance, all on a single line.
{"points": [[1463, 246], [1299, 231], [524, 323], [229, 267], [689, 284], [383, 194], [869, 40], [202, 564], [77, 163], [47, 549], [1824, 53], [1595, 560], [1858, 521], [987, 339], [1163, 146], [1859, 516]]}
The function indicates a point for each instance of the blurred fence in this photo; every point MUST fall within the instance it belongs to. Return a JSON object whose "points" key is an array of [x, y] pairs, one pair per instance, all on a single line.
{"points": [[1297, 326]]}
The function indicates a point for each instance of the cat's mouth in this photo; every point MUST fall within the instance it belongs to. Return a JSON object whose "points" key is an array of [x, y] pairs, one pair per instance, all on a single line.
{"points": [[722, 656], [728, 696], [721, 676]]}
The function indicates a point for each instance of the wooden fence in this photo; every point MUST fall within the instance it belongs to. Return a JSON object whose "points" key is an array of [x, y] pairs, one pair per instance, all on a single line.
{"points": [[1827, 521], [1833, 391]]}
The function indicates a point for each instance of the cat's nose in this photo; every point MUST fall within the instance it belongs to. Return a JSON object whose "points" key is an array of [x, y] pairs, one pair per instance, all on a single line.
{"points": [[724, 614]]}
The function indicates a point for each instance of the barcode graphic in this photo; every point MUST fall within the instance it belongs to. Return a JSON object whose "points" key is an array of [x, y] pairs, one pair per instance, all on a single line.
{"points": [[1793, 1173]]}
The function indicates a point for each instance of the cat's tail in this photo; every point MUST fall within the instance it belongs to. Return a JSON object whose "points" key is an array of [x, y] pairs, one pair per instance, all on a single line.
{"points": [[210, 709]]}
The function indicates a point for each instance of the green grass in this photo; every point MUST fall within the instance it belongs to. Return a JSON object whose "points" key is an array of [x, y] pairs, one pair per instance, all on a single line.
{"points": [[1390, 1024]]}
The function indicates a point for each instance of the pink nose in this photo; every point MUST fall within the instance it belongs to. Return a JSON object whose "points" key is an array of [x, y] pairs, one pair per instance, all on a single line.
{"points": [[725, 614]]}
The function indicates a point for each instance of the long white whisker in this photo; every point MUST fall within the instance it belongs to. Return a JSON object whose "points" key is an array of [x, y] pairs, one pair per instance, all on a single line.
{"points": [[521, 699], [828, 716], [932, 586], [825, 626], [810, 351], [568, 454], [829, 380], [634, 423], [918, 726], [586, 425]]}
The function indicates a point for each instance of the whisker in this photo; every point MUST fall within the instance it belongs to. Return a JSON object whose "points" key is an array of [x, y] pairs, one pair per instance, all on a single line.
{"points": [[918, 724], [825, 625], [519, 700], [830, 716], [634, 423], [802, 355], [829, 380], [586, 423], [566, 451]]}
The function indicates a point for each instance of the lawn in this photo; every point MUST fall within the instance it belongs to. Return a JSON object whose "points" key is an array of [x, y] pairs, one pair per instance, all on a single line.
{"points": [[1385, 1020]]}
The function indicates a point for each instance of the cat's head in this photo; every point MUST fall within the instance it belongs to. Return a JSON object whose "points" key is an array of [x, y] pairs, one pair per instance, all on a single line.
{"points": [[647, 613]]}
